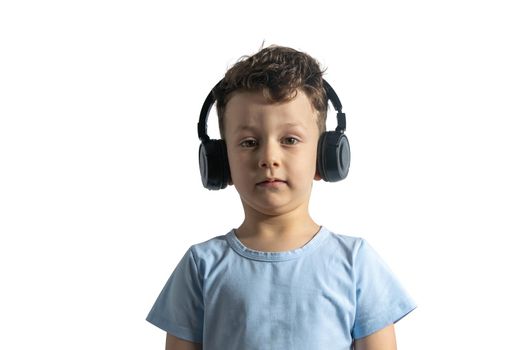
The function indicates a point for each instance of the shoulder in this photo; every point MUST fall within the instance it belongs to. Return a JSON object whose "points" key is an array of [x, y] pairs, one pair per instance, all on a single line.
{"points": [[210, 246], [207, 253], [357, 250], [349, 243]]}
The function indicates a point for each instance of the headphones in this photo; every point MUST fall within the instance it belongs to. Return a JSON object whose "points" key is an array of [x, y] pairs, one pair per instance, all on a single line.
{"points": [[333, 149]]}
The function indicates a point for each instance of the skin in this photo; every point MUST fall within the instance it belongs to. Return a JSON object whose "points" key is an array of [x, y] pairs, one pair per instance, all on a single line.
{"points": [[174, 343], [384, 339], [272, 141], [272, 149]]}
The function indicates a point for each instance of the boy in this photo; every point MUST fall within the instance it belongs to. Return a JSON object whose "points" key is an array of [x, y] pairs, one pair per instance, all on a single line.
{"points": [[279, 281]]}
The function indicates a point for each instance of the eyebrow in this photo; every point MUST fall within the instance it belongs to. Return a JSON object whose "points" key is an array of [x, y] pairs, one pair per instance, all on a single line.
{"points": [[245, 127], [292, 125], [253, 127]]}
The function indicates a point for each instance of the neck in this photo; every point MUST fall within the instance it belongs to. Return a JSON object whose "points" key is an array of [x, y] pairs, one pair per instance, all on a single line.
{"points": [[291, 224]]}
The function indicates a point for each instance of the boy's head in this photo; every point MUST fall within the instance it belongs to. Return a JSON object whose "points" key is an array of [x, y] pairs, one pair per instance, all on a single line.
{"points": [[272, 109], [279, 73], [257, 101]]}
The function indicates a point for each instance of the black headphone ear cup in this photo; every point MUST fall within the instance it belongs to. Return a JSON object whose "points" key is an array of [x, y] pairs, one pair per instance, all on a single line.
{"points": [[333, 156], [213, 164]]}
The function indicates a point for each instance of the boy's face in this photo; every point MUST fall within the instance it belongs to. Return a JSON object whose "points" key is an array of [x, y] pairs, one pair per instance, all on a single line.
{"points": [[272, 151]]}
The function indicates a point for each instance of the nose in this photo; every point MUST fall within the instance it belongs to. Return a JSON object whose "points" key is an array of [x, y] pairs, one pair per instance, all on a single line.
{"points": [[269, 156]]}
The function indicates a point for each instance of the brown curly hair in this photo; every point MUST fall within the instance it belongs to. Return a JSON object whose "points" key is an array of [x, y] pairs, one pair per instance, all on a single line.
{"points": [[279, 72]]}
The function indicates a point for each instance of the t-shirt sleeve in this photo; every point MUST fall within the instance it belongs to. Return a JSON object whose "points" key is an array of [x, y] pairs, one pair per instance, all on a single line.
{"points": [[179, 308], [380, 297]]}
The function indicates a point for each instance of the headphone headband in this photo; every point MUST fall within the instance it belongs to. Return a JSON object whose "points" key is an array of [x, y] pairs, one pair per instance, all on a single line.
{"points": [[202, 126]]}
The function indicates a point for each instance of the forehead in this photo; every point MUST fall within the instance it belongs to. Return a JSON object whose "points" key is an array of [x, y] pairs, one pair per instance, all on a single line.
{"points": [[251, 109]]}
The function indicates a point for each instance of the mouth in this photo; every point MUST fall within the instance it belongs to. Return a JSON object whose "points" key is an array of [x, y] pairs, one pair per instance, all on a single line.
{"points": [[270, 182]]}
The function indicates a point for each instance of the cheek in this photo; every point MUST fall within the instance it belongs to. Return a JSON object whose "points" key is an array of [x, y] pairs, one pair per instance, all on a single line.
{"points": [[313, 162], [238, 165], [236, 158], [305, 163]]}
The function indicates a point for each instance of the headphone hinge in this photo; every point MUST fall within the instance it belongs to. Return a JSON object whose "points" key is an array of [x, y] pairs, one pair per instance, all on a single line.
{"points": [[341, 122], [202, 131]]}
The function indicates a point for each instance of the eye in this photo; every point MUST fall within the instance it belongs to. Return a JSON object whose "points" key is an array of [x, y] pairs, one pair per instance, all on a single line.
{"points": [[290, 141], [249, 143]]}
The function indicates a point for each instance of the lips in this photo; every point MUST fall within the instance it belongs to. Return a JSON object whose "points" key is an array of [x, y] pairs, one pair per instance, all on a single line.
{"points": [[271, 181]]}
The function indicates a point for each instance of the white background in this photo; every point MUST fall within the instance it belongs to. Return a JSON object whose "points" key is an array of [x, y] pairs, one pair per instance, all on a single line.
{"points": [[100, 192]]}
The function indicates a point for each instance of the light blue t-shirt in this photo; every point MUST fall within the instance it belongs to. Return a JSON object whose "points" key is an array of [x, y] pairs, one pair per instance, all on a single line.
{"points": [[321, 296]]}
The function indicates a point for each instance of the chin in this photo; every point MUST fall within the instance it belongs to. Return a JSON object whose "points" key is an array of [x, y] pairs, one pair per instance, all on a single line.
{"points": [[273, 211], [272, 208]]}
